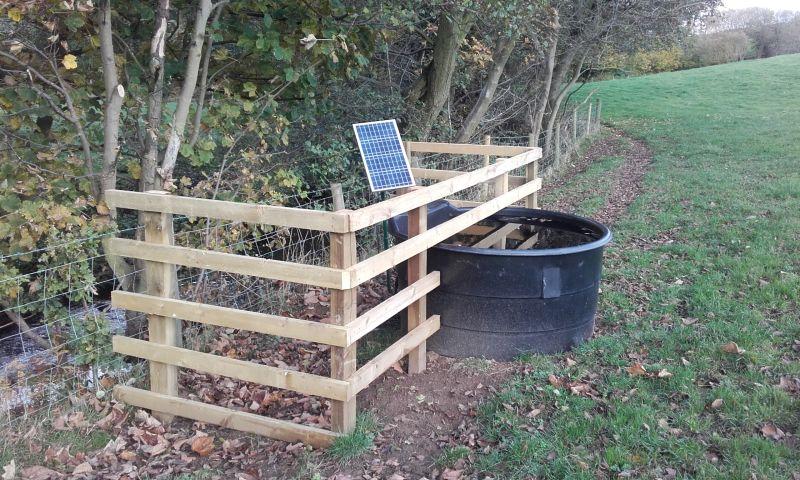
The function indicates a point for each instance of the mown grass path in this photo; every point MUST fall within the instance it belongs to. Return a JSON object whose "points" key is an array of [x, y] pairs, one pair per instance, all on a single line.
{"points": [[708, 256]]}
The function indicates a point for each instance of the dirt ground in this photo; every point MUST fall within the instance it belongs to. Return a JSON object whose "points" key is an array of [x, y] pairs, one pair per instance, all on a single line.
{"points": [[627, 178]]}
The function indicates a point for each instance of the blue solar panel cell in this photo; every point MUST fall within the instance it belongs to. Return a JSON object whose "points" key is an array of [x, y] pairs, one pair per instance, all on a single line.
{"points": [[384, 158]]}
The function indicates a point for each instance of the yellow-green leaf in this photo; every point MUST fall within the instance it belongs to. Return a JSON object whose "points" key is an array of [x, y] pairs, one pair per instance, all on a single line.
{"points": [[15, 14], [70, 61]]}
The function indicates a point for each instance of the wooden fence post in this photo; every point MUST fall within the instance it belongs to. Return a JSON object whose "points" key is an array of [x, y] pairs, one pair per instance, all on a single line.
{"points": [[343, 307], [417, 267], [575, 127], [597, 114], [557, 148], [589, 119], [531, 173], [487, 140], [161, 280], [500, 187]]}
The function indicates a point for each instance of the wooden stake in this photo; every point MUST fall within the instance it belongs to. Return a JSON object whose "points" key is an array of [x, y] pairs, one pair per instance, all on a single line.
{"points": [[597, 114], [589, 119], [557, 148], [531, 173], [487, 140], [417, 268], [343, 311], [575, 126], [161, 280], [500, 188]]}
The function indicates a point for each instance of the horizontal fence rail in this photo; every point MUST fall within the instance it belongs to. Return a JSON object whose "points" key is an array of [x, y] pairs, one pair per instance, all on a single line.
{"points": [[378, 212], [230, 262], [234, 211], [344, 328], [467, 149]]}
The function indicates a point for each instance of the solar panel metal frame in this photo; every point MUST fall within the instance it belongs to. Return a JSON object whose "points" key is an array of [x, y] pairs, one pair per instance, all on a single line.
{"points": [[402, 152]]}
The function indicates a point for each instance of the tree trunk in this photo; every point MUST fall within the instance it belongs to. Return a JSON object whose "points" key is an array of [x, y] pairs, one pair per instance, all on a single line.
{"points": [[155, 98], [452, 29], [541, 102], [502, 52], [187, 93], [115, 94], [559, 91], [201, 88]]}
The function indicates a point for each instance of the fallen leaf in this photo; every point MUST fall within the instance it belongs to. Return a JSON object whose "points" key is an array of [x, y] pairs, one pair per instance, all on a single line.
{"points": [[40, 473], [732, 347], [397, 368], [9, 471], [636, 369], [127, 455], [14, 14], [203, 446], [554, 381], [450, 474], [663, 373], [82, 469], [571, 362], [716, 403], [769, 430], [70, 61]]}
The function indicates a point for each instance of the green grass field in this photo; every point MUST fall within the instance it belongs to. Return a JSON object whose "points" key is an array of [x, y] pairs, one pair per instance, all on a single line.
{"points": [[709, 254]]}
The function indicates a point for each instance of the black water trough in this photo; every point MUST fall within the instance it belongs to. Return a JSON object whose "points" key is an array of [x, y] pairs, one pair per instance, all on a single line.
{"points": [[499, 303]]}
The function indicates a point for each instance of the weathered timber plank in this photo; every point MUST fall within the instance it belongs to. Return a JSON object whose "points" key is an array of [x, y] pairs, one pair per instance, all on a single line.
{"points": [[375, 367], [467, 149], [230, 367], [234, 211], [225, 417], [369, 268], [232, 318], [229, 262]]}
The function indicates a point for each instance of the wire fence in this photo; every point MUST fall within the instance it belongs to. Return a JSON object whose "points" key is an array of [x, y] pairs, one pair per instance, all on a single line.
{"points": [[55, 336]]}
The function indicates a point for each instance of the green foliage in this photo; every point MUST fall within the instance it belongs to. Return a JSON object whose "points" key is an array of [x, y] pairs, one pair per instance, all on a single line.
{"points": [[355, 444]]}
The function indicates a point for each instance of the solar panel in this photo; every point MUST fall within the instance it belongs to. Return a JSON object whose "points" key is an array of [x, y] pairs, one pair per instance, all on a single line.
{"points": [[383, 154]]}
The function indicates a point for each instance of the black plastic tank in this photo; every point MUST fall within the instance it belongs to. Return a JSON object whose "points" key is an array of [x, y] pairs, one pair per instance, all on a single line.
{"points": [[499, 303]]}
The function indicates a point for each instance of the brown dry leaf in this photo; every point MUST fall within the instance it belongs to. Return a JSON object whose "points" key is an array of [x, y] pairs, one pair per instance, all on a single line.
{"points": [[9, 471], [82, 469], [127, 456], [60, 423], [664, 373], [636, 369], [732, 347], [203, 446], [716, 403], [450, 474], [397, 367], [40, 473], [554, 381], [571, 362], [769, 430], [77, 420]]}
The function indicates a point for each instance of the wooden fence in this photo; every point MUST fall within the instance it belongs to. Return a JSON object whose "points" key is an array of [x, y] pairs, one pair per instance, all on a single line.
{"points": [[164, 310]]}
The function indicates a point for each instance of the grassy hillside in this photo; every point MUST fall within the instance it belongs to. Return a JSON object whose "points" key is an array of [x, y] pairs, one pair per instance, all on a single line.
{"points": [[708, 256]]}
